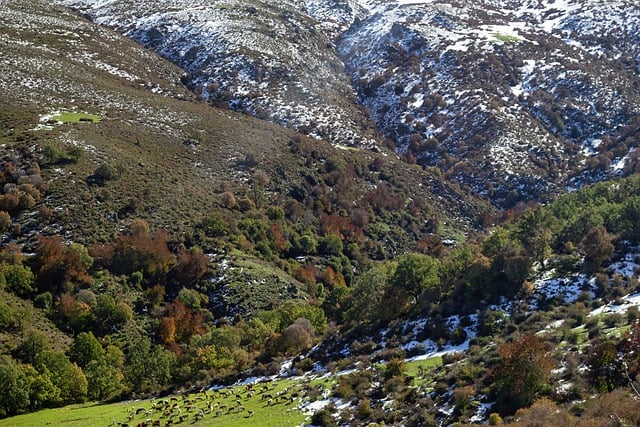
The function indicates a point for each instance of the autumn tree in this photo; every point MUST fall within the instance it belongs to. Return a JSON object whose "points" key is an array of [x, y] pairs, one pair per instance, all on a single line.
{"points": [[180, 324], [142, 252], [463, 400], [598, 247], [307, 274], [102, 254], [332, 278], [73, 314], [191, 265], [278, 239], [296, 337], [228, 199], [545, 412], [11, 253], [524, 369], [62, 265]]}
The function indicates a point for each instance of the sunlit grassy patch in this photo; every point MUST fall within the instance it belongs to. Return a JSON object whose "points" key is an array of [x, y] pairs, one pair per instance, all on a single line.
{"points": [[506, 38], [224, 410], [419, 369], [70, 117]]}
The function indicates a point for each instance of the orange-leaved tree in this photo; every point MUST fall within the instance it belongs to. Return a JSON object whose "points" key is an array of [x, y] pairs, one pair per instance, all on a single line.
{"points": [[525, 367], [61, 265]]}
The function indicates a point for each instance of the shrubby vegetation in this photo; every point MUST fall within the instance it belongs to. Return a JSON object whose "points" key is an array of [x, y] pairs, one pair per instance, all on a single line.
{"points": [[137, 309], [577, 234], [343, 249]]}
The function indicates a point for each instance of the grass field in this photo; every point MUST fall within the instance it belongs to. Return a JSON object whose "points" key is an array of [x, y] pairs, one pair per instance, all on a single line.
{"points": [[276, 403], [506, 38], [414, 367], [204, 409]]}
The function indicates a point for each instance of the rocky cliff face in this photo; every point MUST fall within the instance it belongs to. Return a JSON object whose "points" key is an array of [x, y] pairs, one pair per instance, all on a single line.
{"points": [[514, 100]]}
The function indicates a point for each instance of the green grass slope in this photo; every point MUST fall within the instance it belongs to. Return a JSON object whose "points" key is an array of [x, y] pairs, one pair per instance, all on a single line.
{"points": [[271, 403]]}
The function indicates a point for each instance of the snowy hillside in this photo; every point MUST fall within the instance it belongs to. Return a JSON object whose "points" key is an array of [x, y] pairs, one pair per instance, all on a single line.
{"points": [[267, 59], [511, 99], [574, 306]]}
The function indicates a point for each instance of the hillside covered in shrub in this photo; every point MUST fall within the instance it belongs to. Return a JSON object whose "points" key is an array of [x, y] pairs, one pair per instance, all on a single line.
{"points": [[154, 244]]}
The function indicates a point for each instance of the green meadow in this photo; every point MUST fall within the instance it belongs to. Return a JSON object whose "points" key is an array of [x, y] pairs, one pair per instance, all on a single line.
{"points": [[204, 409], [71, 117], [506, 38], [270, 404]]}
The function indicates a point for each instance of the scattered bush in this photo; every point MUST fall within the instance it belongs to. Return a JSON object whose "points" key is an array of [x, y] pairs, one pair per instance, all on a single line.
{"points": [[106, 172], [55, 155], [323, 418], [228, 200], [246, 204], [524, 371]]}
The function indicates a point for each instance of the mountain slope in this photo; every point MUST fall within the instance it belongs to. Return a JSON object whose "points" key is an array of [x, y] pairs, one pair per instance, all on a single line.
{"points": [[169, 144], [143, 147], [264, 58], [273, 246], [507, 99]]}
